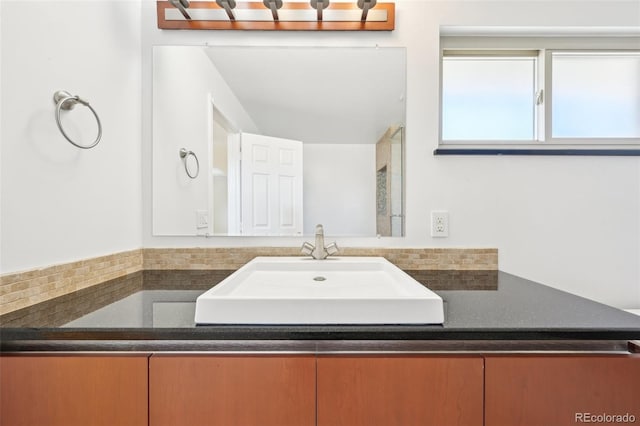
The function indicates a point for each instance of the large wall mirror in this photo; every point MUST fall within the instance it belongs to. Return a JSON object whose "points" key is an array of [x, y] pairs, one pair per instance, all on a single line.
{"points": [[274, 140]]}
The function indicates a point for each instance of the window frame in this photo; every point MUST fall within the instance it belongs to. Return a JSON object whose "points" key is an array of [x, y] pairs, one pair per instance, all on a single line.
{"points": [[545, 46]]}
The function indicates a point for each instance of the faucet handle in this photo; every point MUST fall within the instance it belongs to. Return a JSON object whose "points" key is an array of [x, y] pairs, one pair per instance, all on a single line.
{"points": [[332, 249], [307, 249]]}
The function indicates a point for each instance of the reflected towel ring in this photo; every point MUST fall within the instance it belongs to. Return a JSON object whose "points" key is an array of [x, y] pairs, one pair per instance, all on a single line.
{"points": [[184, 154], [64, 100]]}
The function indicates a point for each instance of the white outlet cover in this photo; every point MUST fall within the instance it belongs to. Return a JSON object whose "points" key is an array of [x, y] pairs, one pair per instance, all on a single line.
{"points": [[439, 223], [202, 219]]}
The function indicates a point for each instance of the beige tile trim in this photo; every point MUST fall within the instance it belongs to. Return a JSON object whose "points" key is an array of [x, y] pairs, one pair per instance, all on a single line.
{"points": [[209, 258], [23, 289], [408, 259]]}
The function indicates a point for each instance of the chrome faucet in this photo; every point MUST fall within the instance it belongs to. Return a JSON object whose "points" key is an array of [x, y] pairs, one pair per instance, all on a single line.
{"points": [[319, 251]]}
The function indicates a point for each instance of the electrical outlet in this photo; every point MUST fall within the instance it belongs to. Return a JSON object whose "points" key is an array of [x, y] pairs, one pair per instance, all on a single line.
{"points": [[439, 224], [202, 219]]}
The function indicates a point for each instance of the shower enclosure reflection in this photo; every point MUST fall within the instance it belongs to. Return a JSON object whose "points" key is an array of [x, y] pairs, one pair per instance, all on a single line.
{"points": [[389, 177], [287, 137]]}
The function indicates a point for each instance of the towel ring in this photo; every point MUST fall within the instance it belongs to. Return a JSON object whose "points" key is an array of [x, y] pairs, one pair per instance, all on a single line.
{"points": [[65, 101], [184, 154]]}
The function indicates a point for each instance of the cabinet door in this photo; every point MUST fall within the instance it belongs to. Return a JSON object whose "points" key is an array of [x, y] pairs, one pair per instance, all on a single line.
{"points": [[212, 390], [400, 390], [73, 390], [561, 390]]}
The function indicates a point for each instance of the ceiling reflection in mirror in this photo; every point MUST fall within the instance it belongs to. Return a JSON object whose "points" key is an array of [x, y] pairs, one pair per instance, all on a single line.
{"points": [[286, 138]]}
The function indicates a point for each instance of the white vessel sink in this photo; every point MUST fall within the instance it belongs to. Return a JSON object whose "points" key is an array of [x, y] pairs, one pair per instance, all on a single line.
{"points": [[301, 290]]}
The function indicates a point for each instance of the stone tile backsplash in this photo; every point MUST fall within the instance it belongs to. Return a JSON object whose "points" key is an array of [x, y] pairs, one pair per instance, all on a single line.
{"points": [[23, 289], [28, 288], [234, 258]]}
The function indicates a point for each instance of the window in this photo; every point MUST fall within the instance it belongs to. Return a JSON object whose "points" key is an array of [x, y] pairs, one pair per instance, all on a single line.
{"points": [[489, 96], [544, 97], [595, 94]]}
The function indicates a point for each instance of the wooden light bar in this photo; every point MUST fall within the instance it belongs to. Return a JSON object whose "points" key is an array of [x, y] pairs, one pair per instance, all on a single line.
{"points": [[207, 15]]}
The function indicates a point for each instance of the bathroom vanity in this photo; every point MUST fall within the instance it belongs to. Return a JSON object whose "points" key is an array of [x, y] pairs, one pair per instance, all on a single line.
{"points": [[510, 352]]}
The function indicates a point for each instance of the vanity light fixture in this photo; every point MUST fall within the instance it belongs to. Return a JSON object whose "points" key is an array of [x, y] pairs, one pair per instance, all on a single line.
{"points": [[365, 5], [182, 6], [279, 15], [273, 5], [228, 5], [319, 5]]}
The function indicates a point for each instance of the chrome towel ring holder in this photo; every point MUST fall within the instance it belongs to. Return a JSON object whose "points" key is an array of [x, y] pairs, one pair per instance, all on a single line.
{"points": [[66, 101], [184, 154]]}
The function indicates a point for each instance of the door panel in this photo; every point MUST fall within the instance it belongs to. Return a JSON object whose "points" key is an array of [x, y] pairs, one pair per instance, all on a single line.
{"points": [[271, 185]]}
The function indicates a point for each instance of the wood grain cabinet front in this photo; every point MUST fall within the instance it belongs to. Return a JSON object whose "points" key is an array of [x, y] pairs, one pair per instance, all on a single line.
{"points": [[403, 390], [70, 390], [234, 390], [323, 390], [528, 390]]}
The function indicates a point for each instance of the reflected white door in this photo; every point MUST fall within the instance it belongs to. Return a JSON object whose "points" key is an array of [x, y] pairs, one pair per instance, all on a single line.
{"points": [[271, 185]]}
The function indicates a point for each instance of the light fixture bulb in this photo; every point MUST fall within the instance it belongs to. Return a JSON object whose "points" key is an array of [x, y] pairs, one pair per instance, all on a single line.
{"points": [[365, 5], [228, 5], [369, 4], [274, 5], [319, 4], [182, 6]]}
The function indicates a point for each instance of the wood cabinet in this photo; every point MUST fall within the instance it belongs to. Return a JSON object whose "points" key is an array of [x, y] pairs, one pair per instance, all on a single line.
{"points": [[69, 390], [561, 390], [402, 390], [242, 390], [327, 390]]}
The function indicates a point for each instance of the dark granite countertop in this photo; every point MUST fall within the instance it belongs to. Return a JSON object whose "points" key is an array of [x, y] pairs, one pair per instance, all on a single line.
{"points": [[479, 305]]}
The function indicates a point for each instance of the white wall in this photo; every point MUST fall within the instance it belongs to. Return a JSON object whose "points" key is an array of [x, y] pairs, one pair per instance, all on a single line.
{"points": [[569, 222], [340, 188], [183, 119], [60, 203]]}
